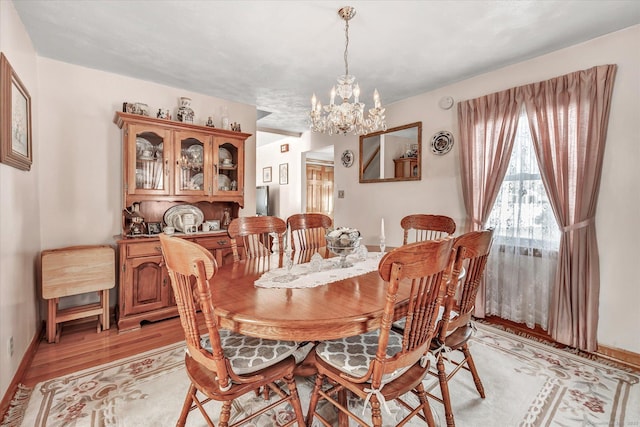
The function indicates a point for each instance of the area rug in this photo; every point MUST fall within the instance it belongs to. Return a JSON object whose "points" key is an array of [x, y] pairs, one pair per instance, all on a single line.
{"points": [[527, 383]]}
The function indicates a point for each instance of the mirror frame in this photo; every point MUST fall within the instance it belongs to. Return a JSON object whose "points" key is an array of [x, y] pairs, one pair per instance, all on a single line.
{"points": [[391, 130]]}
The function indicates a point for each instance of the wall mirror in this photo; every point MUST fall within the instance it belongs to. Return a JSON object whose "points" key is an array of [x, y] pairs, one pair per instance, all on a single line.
{"points": [[392, 155]]}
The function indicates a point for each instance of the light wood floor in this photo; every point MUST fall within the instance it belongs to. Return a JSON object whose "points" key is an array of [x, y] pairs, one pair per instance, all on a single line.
{"points": [[81, 347]]}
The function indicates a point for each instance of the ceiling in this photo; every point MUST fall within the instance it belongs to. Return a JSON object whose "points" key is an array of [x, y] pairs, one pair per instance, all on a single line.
{"points": [[275, 54]]}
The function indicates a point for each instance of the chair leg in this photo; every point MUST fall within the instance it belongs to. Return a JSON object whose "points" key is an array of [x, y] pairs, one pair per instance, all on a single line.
{"points": [[444, 390], [186, 407], [474, 371], [295, 398], [426, 409], [376, 415], [315, 396], [225, 414]]}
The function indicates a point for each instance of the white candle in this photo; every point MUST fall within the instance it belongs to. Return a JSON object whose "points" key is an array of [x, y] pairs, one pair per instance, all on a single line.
{"points": [[382, 228]]}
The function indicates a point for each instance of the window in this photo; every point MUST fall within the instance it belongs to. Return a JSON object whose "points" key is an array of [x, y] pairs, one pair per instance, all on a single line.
{"points": [[522, 263], [522, 210]]}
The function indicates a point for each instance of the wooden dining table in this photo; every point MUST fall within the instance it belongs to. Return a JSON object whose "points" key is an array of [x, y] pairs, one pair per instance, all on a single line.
{"points": [[334, 310]]}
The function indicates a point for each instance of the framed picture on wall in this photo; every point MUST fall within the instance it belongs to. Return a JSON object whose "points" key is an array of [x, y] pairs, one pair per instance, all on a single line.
{"points": [[15, 119], [284, 173], [266, 174]]}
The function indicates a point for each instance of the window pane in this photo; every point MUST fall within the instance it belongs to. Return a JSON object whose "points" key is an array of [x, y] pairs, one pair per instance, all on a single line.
{"points": [[522, 208]]}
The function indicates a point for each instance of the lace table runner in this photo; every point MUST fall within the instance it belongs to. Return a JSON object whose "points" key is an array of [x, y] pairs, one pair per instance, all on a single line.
{"points": [[307, 275]]}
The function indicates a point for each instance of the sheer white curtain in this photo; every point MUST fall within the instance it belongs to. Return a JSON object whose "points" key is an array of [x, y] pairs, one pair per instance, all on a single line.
{"points": [[522, 265]]}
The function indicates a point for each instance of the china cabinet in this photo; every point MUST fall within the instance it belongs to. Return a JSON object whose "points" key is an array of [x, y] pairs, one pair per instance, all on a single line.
{"points": [[165, 164], [168, 161]]}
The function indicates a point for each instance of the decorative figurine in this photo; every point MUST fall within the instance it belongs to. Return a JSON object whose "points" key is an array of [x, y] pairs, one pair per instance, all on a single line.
{"points": [[185, 112], [163, 114]]}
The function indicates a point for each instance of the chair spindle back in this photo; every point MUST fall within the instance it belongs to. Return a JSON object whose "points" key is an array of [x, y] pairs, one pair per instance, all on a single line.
{"points": [[257, 234], [308, 230], [426, 227]]}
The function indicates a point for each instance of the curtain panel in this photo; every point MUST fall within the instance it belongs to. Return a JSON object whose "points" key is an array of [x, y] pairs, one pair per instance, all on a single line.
{"points": [[487, 130], [568, 117]]}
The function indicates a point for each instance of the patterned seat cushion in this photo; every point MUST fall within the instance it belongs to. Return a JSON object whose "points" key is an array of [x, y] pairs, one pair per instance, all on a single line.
{"points": [[353, 355], [248, 354]]}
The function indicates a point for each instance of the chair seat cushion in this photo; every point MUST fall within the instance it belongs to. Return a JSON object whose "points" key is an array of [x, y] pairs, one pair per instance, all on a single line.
{"points": [[353, 355], [248, 354]]}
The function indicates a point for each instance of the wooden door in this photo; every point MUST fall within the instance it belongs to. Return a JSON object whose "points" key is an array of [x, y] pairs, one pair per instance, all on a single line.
{"points": [[149, 288], [320, 189]]}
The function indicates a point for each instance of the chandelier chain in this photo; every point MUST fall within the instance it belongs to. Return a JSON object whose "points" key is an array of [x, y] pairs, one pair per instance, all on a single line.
{"points": [[346, 47]]}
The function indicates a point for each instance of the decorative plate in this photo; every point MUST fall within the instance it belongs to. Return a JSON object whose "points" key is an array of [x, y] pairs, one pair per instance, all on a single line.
{"points": [[142, 145], [224, 182], [347, 158], [223, 153], [197, 181], [173, 216], [196, 152], [442, 142]]}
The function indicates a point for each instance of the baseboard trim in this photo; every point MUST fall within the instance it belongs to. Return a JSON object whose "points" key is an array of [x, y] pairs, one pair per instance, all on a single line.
{"points": [[27, 358], [619, 355], [623, 358]]}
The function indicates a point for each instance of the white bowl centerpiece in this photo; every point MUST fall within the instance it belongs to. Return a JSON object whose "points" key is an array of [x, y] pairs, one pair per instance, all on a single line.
{"points": [[343, 241]]}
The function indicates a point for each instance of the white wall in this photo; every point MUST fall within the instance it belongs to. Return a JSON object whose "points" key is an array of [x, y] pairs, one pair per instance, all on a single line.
{"points": [[78, 167], [82, 177], [19, 214], [290, 198], [439, 191]]}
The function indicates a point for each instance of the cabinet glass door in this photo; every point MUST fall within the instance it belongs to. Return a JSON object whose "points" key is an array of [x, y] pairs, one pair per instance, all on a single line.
{"points": [[230, 158], [190, 172], [148, 173]]}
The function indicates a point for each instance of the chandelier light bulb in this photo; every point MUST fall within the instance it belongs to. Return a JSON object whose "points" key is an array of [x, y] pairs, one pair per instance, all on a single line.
{"points": [[347, 116]]}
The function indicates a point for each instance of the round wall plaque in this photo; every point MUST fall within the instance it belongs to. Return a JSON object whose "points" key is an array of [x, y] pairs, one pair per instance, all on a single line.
{"points": [[442, 142], [347, 158]]}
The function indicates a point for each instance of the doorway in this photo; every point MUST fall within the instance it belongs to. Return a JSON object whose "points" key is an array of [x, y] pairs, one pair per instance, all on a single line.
{"points": [[318, 181]]}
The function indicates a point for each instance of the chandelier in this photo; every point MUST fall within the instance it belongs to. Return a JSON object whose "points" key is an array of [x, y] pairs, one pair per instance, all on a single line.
{"points": [[347, 116]]}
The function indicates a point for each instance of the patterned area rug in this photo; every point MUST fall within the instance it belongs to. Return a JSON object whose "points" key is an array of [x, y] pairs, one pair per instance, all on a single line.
{"points": [[527, 384]]}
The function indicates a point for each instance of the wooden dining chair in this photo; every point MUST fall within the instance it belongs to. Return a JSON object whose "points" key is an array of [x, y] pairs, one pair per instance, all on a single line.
{"points": [[308, 230], [379, 366], [455, 326], [426, 227], [256, 234], [225, 365]]}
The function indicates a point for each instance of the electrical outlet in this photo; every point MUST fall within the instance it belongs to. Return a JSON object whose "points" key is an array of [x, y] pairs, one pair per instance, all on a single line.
{"points": [[340, 194], [10, 346]]}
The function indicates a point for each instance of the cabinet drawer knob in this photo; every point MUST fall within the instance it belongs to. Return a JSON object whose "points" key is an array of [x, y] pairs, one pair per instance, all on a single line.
{"points": [[222, 242], [158, 249]]}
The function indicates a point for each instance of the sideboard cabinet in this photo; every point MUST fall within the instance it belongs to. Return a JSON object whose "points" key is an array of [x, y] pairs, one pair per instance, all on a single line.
{"points": [[167, 163], [145, 292]]}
